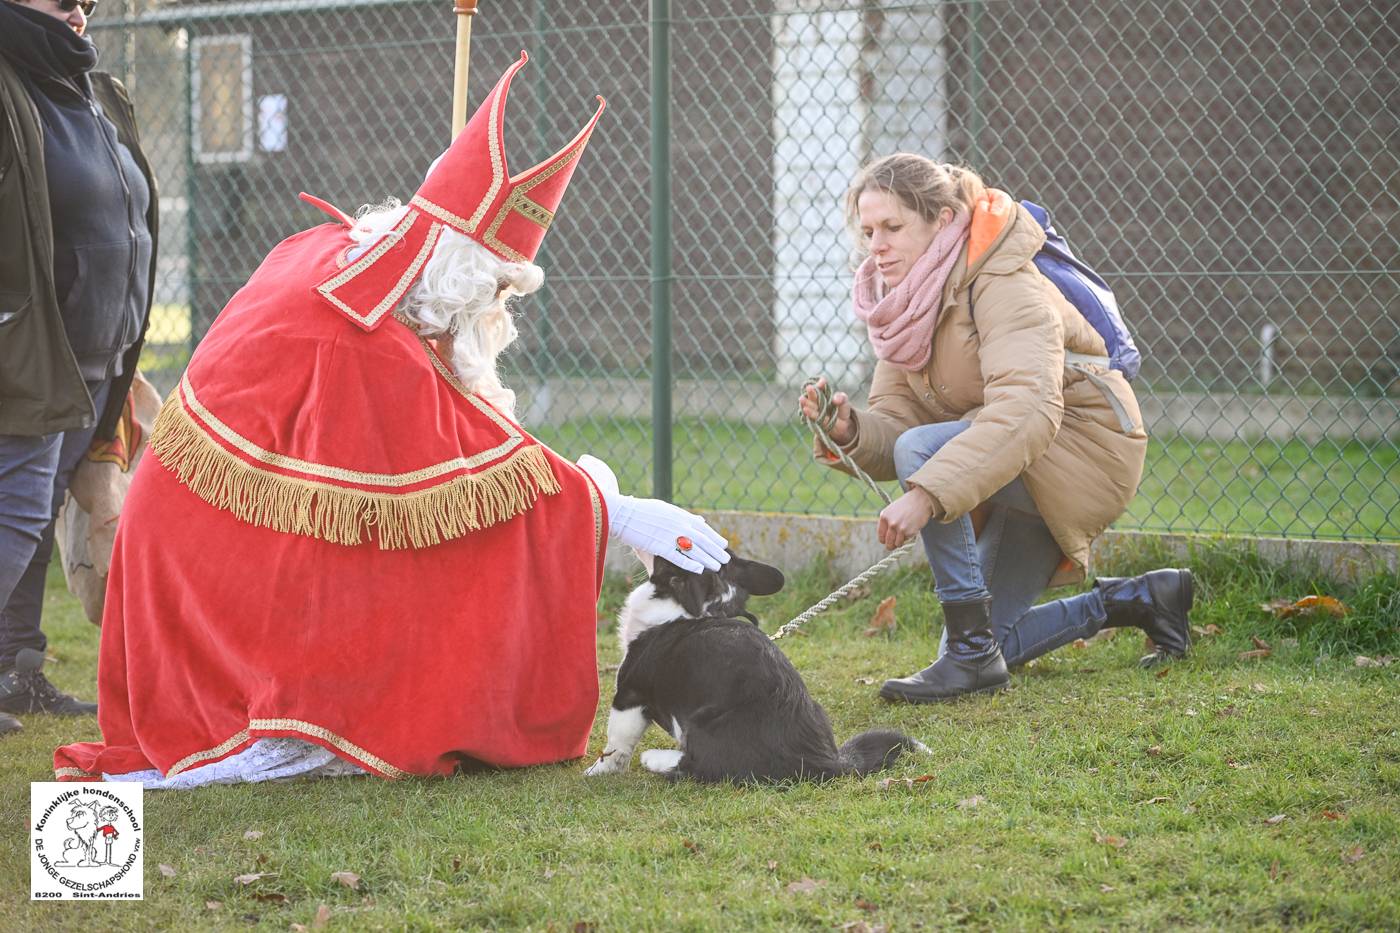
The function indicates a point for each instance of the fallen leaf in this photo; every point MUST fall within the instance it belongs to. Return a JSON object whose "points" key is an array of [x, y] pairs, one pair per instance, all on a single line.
{"points": [[1259, 688], [1384, 660], [584, 926], [166, 870], [1276, 819], [882, 622], [1154, 750], [1260, 643], [260, 860], [323, 917], [253, 834], [1333, 814], [1255, 654], [1209, 631], [863, 904], [693, 847], [1117, 842], [1105, 888], [875, 847], [1162, 673], [1273, 871], [1091, 770], [1308, 605], [1354, 855], [1235, 764], [248, 879], [867, 681], [804, 886], [1228, 711], [971, 803], [923, 778], [298, 928], [456, 864], [213, 905], [347, 878], [857, 593], [1079, 643], [772, 865], [1157, 800], [887, 783]]}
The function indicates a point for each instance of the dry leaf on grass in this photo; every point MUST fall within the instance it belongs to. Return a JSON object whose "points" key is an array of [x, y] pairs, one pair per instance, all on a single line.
{"points": [[1354, 855], [1209, 631], [1384, 660], [772, 865], [1259, 688], [1154, 750], [875, 846], [1105, 888], [1260, 643], [804, 886], [253, 834], [584, 926], [882, 622], [251, 877], [347, 878], [1079, 643], [863, 904], [166, 870], [1162, 673], [213, 905], [1276, 819], [867, 681], [1117, 842], [692, 846], [1333, 814], [1157, 800], [1255, 655], [323, 917], [1307, 606], [887, 783]]}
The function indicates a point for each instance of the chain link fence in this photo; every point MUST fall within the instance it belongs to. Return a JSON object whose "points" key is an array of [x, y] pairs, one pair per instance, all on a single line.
{"points": [[1231, 167]]}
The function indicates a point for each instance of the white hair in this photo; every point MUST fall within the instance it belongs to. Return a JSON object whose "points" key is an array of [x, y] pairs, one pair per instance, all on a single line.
{"points": [[461, 296]]}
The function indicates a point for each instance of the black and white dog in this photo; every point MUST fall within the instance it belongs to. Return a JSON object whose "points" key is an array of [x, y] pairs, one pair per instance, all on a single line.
{"points": [[732, 701]]}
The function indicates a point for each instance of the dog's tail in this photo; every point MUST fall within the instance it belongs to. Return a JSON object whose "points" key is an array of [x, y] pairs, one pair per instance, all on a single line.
{"points": [[876, 750]]}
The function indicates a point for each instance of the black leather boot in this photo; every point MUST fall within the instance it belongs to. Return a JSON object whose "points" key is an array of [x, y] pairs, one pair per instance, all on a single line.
{"points": [[972, 663], [1157, 603], [25, 689]]}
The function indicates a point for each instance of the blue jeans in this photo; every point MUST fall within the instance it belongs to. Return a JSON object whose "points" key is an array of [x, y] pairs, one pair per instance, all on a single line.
{"points": [[1011, 563], [34, 475]]}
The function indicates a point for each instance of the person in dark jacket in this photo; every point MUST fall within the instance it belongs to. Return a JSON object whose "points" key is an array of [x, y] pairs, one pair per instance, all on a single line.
{"points": [[77, 263]]}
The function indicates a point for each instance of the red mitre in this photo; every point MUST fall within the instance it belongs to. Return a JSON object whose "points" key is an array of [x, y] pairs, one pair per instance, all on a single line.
{"points": [[471, 191]]}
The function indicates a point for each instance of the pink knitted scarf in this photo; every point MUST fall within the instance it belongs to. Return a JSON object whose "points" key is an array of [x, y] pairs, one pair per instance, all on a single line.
{"points": [[901, 323]]}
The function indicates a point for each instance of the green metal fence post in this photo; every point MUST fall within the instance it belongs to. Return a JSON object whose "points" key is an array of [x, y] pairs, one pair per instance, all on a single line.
{"points": [[661, 248]]}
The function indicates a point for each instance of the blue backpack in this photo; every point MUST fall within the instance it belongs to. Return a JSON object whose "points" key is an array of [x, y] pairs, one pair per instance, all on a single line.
{"points": [[1089, 294]]}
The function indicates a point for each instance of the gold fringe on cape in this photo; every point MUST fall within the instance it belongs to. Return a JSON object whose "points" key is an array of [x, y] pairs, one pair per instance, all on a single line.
{"points": [[345, 516]]}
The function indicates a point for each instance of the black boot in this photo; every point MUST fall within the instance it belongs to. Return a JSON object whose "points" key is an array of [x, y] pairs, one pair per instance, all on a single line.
{"points": [[972, 663], [25, 689], [9, 723], [1157, 603]]}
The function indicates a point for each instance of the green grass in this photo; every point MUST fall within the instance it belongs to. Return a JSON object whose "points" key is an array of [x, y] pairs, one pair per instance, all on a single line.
{"points": [[1324, 490], [1183, 767]]}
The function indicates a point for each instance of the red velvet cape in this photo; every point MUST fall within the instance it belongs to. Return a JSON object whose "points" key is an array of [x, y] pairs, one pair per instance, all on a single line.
{"points": [[333, 540]]}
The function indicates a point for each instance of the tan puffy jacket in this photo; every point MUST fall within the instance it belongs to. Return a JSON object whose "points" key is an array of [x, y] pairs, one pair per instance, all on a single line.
{"points": [[1072, 430]]}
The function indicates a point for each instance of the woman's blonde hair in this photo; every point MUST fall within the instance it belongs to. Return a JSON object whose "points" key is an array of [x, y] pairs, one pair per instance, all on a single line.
{"points": [[920, 184]]}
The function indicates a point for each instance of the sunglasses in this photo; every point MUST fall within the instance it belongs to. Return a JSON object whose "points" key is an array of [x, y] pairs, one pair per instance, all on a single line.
{"points": [[87, 6]]}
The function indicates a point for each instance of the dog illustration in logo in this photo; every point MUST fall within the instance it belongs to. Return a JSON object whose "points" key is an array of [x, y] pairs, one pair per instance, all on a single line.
{"points": [[82, 822]]}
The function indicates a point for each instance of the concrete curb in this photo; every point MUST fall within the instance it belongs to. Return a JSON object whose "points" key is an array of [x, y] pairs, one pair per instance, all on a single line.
{"points": [[791, 542]]}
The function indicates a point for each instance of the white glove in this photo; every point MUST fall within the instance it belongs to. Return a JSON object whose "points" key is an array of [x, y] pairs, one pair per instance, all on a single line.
{"points": [[657, 527]]}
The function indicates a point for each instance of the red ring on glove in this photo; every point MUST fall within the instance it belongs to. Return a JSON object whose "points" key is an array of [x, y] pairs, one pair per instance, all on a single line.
{"points": [[683, 543]]}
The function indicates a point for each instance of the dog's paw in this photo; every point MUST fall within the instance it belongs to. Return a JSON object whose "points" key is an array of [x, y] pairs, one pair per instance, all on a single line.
{"points": [[661, 760], [608, 764]]}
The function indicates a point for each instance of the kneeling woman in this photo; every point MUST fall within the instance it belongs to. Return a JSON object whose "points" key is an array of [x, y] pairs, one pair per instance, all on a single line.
{"points": [[1014, 448]]}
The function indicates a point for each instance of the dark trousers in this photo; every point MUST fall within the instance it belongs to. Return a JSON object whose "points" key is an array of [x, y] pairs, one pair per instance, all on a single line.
{"points": [[34, 475]]}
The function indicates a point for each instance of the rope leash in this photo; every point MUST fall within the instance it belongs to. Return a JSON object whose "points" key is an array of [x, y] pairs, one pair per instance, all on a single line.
{"points": [[821, 427]]}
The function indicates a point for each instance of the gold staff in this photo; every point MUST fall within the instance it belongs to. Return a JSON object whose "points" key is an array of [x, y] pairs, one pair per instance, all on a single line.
{"points": [[465, 10]]}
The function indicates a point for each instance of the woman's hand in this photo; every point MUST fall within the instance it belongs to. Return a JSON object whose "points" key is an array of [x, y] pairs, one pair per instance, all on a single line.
{"points": [[903, 518], [842, 428]]}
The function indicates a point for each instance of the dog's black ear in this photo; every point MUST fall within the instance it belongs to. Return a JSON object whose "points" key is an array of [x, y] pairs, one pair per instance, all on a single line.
{"points": [[754, 578]]}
